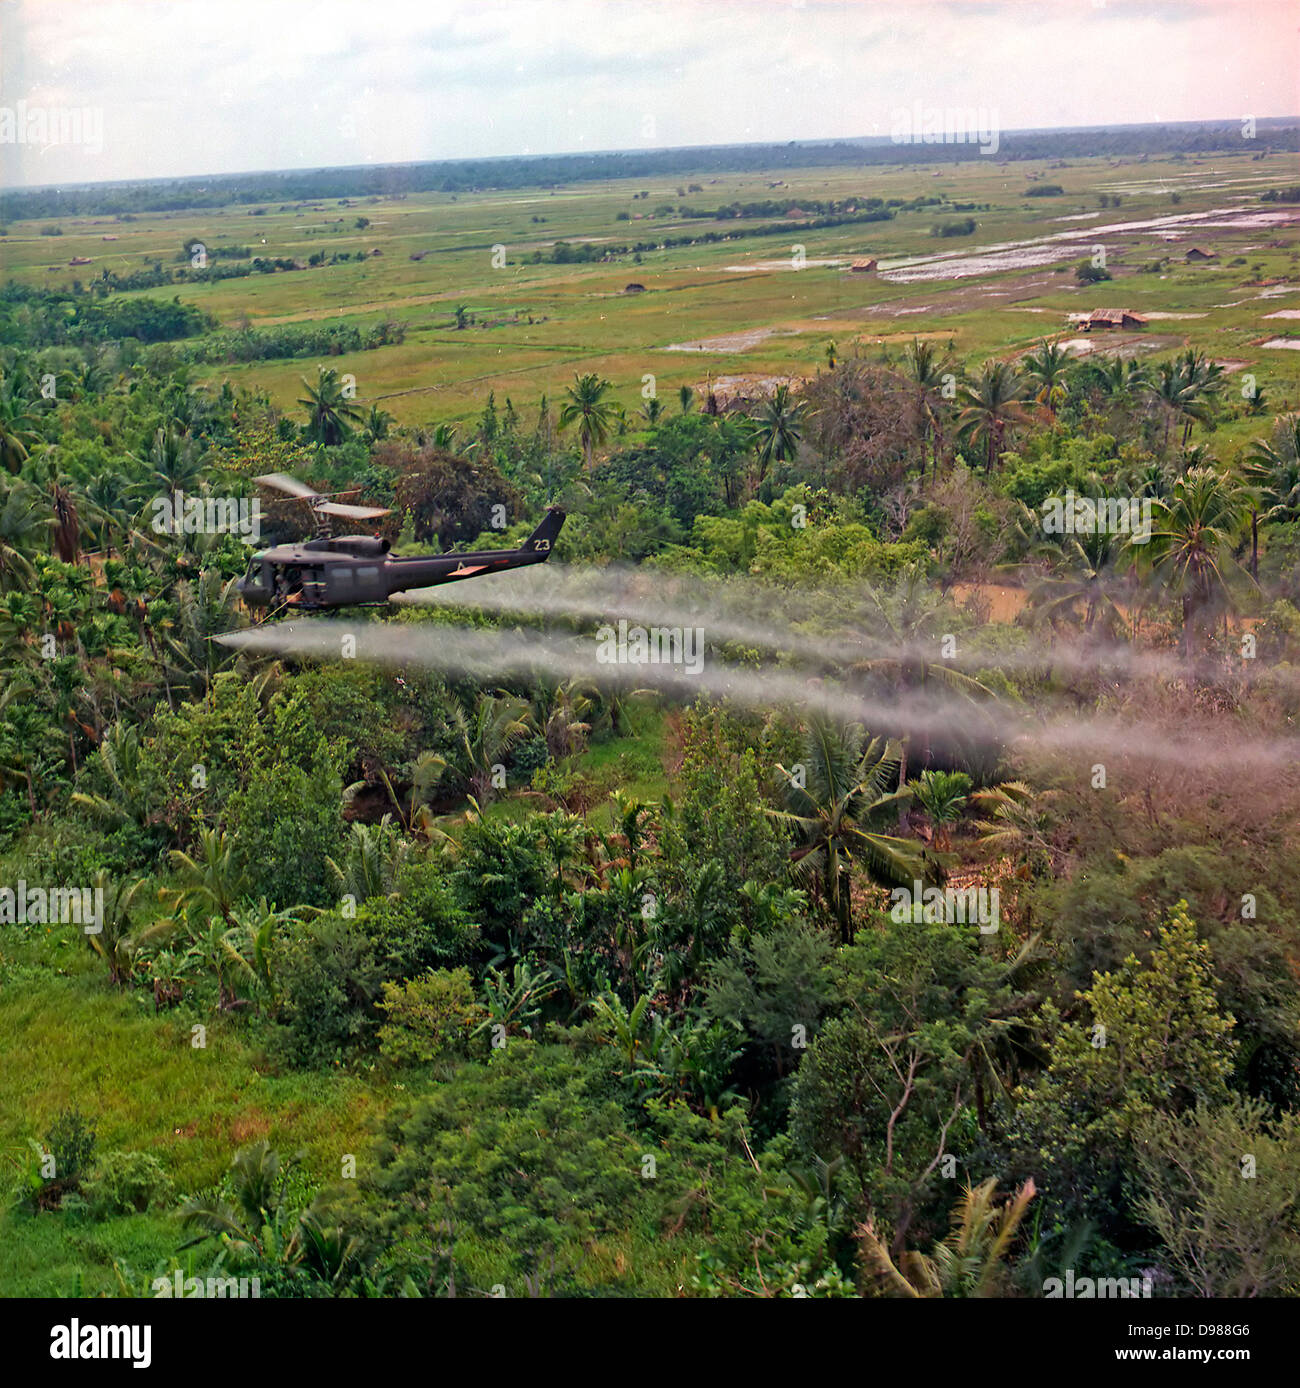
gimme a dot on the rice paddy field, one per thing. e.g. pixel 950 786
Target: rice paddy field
pixel 743 311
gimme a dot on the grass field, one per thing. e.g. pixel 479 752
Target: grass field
pixel 743 301
pixel 147 1086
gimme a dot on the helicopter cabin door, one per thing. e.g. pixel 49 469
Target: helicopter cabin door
pixel 313 588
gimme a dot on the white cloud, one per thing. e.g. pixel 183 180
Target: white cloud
pixel 188 86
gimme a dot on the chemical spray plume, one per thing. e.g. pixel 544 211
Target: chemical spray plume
pixel 825 625
pixel 494 655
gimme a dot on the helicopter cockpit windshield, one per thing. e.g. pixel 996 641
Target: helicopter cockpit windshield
pixel 257 584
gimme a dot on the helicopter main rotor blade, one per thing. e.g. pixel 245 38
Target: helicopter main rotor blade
pixel 284 483
pixel 336 508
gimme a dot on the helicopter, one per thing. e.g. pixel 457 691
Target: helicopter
pixel 357 570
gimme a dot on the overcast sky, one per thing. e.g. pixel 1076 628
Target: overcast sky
pixel 217 86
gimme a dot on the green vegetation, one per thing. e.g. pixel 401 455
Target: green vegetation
pixel 435 976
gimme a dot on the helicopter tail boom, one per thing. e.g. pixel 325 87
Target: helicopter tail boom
pixel 541 540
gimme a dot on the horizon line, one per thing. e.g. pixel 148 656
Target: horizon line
pixel 1283 122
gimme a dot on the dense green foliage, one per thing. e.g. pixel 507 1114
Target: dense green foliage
pixel 576 984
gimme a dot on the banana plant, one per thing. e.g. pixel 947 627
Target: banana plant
pixel 253 938
pixel 514 1003
pixel 629 1029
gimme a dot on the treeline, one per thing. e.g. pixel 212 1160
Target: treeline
pixel 192 243
pixel 783 207
pixel 876 214
pixel 567 253
pixel 110 282
pixel 288 340
pixel 469 175
pixel 51 318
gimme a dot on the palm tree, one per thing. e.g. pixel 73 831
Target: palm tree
pixel 909 619
pixel 121 764
pixel 1046 369
pixel 109 493
pixel 1081 570
pixel 375 856
pixel 1181 390
pixel 1272 469
pixel 482 736
pixel 830 797
pixel 968 1263
pixel 26 738
pixel 258 1186
pixel 993 408
pixel 1016 821
pixel 560 710
pixel 926 370
pixel 94 375
pixel 378 423
pixel 686 398
pixel 1193 535
pixel 215 945
pixel 65 527
pixel 174 463
pixel 563 837
pixel 210 880
pixel 778 427
pixel 206 607
pixel 1082 578
pixel 330 411
pixel 595 416
pixel 20 519
pixel 628 813
pixel 17 437
pixel 942 795
pixel 115 943
pixel 253 939
pixel 257 1225
pixel 1117 377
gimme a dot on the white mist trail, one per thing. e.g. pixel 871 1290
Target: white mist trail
pixel 490 655
pixel 765 617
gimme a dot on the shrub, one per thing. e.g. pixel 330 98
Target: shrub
pixel 1088 273
pixel 127 1183
pixel 964 226
pixel 423 927
pixel 284 825
pixel 330 980
pixel 428 1017
pixel 72 1145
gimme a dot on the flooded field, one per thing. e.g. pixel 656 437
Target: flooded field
pixel 1065 245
